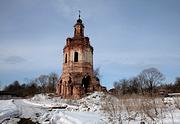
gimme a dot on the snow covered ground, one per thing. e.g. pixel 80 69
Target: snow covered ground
pixel 7 109
pixel 51 110
pixel 88 110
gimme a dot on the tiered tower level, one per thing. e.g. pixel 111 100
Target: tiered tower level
pixel 77 76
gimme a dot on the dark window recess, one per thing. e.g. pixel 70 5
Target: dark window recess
pixel 75 56
pixel 85 83
pixel 60 86
pixel 66 58
pixel 81 31
pixel 75 32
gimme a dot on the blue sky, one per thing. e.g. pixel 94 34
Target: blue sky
pixel 127 35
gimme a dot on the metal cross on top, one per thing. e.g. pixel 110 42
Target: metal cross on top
pixel 79 14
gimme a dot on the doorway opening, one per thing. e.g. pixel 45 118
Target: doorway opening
pixel 85 83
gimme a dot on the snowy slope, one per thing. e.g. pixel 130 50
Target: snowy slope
pixel 8 109
pixel 83 111
pixel 65 117
pixel 88 110
pixel 40 108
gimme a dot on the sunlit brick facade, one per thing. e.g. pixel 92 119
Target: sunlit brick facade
pixel 77 76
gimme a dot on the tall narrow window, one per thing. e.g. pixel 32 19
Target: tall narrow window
pixel 75 56
pixel 81 31
pixel 66 58
pixel 75 32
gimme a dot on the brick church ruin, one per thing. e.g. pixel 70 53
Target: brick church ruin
pixel 77 76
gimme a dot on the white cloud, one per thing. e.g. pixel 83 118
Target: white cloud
pixel 14 59
pixel 30 56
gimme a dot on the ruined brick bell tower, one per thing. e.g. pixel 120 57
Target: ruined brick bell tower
pixel 77 76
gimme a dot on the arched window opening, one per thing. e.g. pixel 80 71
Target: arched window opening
pixel 70 86
pixel 75 32
pixel 75 56
pixel 60 85
pixel 85 83
pixel 81 31
pixel 69 81
pixel 66 58
pixel 71 90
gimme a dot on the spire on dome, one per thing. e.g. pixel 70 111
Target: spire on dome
pixel 79 14
pixel 79 27
pixel 79 19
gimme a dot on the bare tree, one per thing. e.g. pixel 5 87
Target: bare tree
pixel 134 85
pixel 141 83
pixel 97 73
pixel 122 86
pixel 42 80
pixel 53 78
pixel 117 89
pixel 151 78
pixel 177 84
